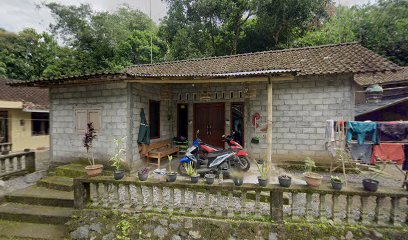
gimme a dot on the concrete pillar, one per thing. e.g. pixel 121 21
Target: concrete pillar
pixel 269 124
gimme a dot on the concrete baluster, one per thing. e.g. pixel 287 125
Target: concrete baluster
pixel 194 207
pixel 139 197
pixel 7 165
pixel 127 198
pixel 363 209
pixel 394 211
pixel 15 164
pixel 182 200
pixel 94 194
pixel 171 200
pixel 257 200
pixel 230 207
pixel 322 207
pixel 115 201
pixel 218 210
pixel 23 162
pixel 293 210
pixel 207 203
pixel 160 198
pixel 335 201
pixel 106 195
pixel 308 207
pixel 377 210
pixel 243 203
pixel 349 209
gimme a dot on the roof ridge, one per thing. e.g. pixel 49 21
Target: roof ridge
pixel 244 54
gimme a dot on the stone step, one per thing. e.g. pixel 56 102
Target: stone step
pixel 42 196
pixel 22 230
pixel 72 170
pixel 34 213
pixel 60 183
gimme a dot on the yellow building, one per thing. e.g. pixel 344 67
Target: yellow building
pixel 24 117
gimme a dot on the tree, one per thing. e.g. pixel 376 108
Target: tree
pixel 381 27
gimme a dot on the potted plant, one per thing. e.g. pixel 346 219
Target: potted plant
pixel 92 169
pixel 209 178
pixel 171 176
pixel 284 180
pixel 336 182
pixel 192 172
pixel 143 173
pixel 255 140
pixel 312 179
pixel 237 177
pixel 370 184
pixel 263 168
pixel 118 158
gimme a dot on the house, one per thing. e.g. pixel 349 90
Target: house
pixel 393 102
pixel 24 117
pixel 282 97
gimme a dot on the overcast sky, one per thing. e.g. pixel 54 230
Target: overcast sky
pixel 18 14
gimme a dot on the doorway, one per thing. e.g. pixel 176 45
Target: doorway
pixel 209 118
pixel 237 122
pixel 182 120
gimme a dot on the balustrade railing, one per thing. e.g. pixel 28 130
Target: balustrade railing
pixel 298 202
pixel 16 163
pixel 5 147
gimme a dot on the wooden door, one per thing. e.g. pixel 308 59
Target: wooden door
pixel 209 118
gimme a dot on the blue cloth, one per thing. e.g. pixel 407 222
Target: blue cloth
pixel 362 130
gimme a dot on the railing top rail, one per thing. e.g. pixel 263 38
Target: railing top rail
pixel 351 190
pixel 16 154
pixel 5 144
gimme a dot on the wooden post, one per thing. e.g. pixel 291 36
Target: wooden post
pixel 269 129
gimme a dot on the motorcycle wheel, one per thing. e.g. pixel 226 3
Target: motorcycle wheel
pixel 243 163
pixel 181 169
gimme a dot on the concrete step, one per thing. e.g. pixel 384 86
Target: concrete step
pixel 72 170
pixel 60 183
pixel 21 230
pixel 34 213
pixel 42 196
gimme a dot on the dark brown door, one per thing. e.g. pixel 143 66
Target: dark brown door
pixel 209 118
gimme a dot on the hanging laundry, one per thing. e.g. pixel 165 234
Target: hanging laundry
pixel 329 137
pixel 388 152
pixel 362 130
pixel 361 152
pixel 392 132
pixel 405 164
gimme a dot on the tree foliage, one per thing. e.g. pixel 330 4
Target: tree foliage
pixel 82 40
pixel 382 27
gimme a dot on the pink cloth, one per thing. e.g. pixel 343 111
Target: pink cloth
pixel 388 152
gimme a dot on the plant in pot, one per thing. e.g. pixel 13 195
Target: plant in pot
pixel 336 182
pixel 192 172
pixel 209 178
pixel 312 179
pixel 118 158
pixel 285 180
pixel 263 168
pixel 92 169
pixel 171 176
pixel 255 140
pixel 143 173
pixel 237 177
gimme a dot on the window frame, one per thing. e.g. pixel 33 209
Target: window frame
pixel 150 119
pixel 87 112
pixel 40 120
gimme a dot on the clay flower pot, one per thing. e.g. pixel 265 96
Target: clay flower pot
pixel 118 174
pixel 313 179
pixel 370 185
pixel 94 170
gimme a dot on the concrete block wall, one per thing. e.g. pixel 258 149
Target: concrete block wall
pixel 66 144
pixel 300 110
pixel 140 96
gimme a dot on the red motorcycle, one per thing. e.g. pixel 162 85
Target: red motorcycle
pixel 242 157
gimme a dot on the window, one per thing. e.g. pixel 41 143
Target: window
pixel 40 123
pixel 84 116
pixel 154 118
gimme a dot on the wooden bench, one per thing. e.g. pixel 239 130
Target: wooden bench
pixel 158 150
